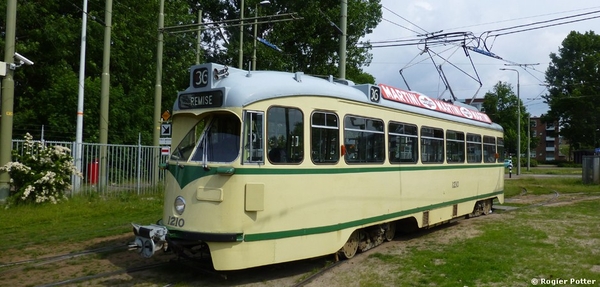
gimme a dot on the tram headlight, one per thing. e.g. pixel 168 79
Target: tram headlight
pixel 179 205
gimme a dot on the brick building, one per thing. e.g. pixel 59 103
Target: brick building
pixel 549 140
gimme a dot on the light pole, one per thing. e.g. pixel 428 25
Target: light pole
pixel 265 2
pixel 518 122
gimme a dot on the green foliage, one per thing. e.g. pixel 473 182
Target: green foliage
pixel 574 93
pixel 40 174
pixel 568 164
pixel 49 33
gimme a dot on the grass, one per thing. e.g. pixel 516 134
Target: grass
pixel 549 242
pixel 545 185
pixel 552 170
pixel 79 219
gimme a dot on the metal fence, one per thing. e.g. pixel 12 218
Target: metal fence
pixel 129 168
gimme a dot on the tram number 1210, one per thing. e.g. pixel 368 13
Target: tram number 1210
pixel 455 184
pixel 174 221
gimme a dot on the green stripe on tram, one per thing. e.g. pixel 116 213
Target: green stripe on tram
pixel 186 175
pixel 355 223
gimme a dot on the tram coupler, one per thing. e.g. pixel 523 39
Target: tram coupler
pixel 148 238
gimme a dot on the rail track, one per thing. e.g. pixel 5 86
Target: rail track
pixel 56 258
pixel 106 274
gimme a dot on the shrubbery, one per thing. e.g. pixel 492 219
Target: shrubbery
pixel 40 174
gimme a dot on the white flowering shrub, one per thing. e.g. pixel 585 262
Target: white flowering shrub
pixel 40 174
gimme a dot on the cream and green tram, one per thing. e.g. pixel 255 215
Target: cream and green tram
pixel 269 167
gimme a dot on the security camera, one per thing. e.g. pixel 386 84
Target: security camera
pixel 22 59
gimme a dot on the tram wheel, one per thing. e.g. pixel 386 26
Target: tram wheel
pixel 351 247
pixel 390 231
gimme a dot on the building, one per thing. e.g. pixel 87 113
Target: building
pixel 548 148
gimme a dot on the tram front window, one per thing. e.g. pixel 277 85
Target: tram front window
pixel 220 141
pixel 216 139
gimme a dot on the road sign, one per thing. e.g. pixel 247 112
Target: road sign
pixel 165 150
pixel 164 141
pixel 165 129
pixel 166 115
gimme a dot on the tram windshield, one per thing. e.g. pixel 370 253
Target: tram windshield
pixel 213 139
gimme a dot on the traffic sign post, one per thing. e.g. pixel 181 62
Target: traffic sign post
pixel 165 129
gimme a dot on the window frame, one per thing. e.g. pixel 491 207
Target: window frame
pixel 432 139
pixel 364 141
pixel 336 144
pixel 414 145
pixel 457 141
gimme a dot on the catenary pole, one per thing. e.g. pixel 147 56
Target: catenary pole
pixel 104 95
pixel 8 99
pixel 343 24
pixel 158 85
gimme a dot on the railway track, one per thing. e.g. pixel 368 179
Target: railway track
pixel 107 274
pixel 61 257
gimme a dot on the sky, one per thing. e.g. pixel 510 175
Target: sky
pixel 406 20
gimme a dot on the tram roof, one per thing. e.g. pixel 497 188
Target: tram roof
pixel 246 87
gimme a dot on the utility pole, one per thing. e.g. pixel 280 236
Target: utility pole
pixel 104 95
pixel 241 52
pixel 8 99
pixel 158 85
pixel 199 43
pixel 343 24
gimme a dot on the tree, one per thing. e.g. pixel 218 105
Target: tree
pixel 501 106
pixel 309 44
pixel 573 79
pixel 49 32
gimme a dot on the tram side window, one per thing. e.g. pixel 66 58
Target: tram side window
pixel 253 137
pixel 500 149
pixel 325 138
pixel 455 147
pixel 364 140
pixel 473 148
pixel 432 145
pixel 489 149
pixel 403 143
pixel 285 135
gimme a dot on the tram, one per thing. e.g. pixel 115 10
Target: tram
pixel 270 167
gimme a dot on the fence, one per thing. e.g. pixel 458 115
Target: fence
pixel 129 168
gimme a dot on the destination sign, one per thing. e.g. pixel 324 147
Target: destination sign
pixel 415 99
pixel 201 100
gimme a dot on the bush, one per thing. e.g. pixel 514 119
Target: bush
pixel 40 174
pixel 568 164
pixel 532 162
